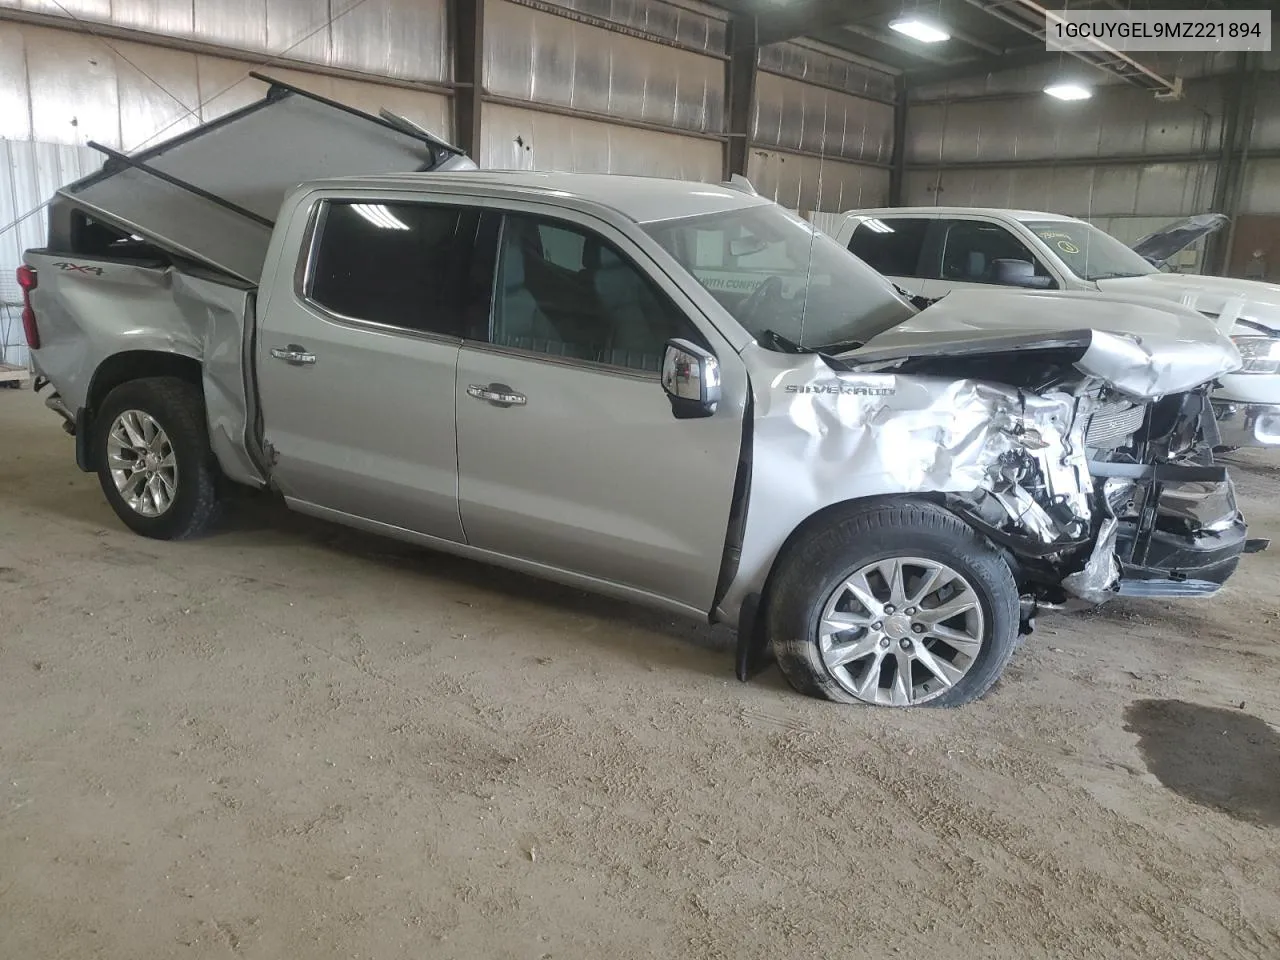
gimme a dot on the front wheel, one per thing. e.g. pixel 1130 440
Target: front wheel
pixel 894 604
pixel 151 446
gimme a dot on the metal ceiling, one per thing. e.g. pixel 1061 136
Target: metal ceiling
pixel 986 35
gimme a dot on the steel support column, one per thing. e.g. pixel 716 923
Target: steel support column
pixel 740 95
pixel 897 172
pixel 466 22
pixel 1237 137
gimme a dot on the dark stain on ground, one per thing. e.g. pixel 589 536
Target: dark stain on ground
pixel 1221 758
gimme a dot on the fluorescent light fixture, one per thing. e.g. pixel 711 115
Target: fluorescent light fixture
pixel 379 216
pixel 1068 91
pixel 918 29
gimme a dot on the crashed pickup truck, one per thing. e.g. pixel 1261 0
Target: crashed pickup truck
pixel 673 393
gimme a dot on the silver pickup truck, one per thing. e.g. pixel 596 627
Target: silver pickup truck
pixel 674 393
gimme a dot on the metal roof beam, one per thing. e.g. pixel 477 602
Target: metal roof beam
pixel 1029 17
pixel 787 24
pixel 1013 60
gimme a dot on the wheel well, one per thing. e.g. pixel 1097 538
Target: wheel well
pixel 135 365
pixel 752 639
pixel 827 513
pixel 121 368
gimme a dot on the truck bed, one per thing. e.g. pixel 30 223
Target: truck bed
pixel 94 311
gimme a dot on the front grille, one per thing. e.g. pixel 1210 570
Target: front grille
pixel 1112 424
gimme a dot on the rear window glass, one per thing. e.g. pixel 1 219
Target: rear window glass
pixel 398 264
pixel 892 246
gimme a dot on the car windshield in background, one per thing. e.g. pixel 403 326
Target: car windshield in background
pixel 779 275
pixel 1088 252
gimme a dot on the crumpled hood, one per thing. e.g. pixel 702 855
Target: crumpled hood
pixel 1141 346
pixel 1226 297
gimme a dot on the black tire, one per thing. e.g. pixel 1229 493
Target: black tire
pixel 178 407
pixel 812 567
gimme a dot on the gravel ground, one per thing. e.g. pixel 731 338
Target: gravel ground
pixel 289 740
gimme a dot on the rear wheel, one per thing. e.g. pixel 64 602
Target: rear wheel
pixel 896 605
pixel 155 465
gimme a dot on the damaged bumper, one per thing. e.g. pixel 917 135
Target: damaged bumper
pixel 1182 533
pixel 1090 530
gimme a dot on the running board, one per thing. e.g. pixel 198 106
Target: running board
pixel 1167 588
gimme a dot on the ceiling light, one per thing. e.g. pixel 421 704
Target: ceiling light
pixel 1068 91
pixel 918 29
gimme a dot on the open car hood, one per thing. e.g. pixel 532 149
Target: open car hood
pixel 1140 346
pixel 1163 244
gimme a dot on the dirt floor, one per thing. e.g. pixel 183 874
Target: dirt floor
pixel 292 741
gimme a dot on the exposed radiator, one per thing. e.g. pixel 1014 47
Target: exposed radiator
pixel 1112 424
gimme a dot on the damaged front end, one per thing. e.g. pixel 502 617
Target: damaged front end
pixel 1099 477
pixel 1111 496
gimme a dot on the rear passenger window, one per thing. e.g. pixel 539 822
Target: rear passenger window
pixel 891 246
pixel 398 264
pixel 565 292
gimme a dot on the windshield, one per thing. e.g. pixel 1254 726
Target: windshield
pixel 1088 252
pixel 756 262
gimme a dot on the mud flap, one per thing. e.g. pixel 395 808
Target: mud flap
pixel 84 456
pixel 753 652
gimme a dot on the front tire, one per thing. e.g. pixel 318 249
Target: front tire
pixel 155 465
pixel 897 604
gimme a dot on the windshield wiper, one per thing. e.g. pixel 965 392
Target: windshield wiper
pixel 781 343
pixel 784 345
pixel 840 347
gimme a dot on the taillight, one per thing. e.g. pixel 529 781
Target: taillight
pixel 27 283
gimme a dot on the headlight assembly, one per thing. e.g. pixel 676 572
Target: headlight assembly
pixel 1259 354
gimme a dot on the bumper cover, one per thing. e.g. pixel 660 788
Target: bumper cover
pixel 1247 424
pixel 1187 535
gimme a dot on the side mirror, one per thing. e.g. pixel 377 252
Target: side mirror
pixel 1018 273
pixel 691 378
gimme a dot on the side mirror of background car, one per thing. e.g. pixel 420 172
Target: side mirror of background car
pixel 691 378
pixel 1018 273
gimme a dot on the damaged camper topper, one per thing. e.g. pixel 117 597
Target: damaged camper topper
pixel 669 392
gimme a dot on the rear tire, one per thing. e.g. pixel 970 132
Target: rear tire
pixel 903 646
pixel 154 462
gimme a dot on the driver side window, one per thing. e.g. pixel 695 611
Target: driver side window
pixel 566 292
pixel 970 247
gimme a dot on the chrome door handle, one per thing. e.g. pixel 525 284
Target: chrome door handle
pixel 498 394
pixel 293 354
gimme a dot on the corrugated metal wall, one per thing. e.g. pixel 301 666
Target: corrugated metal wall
pixel 545 67
pixel 1122 154
pixel 513 138
pixel 404 39
pixel 822 129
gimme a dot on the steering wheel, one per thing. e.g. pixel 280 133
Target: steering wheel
pixel 768 293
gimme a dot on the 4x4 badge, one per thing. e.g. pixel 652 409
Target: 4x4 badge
pixel 79 267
